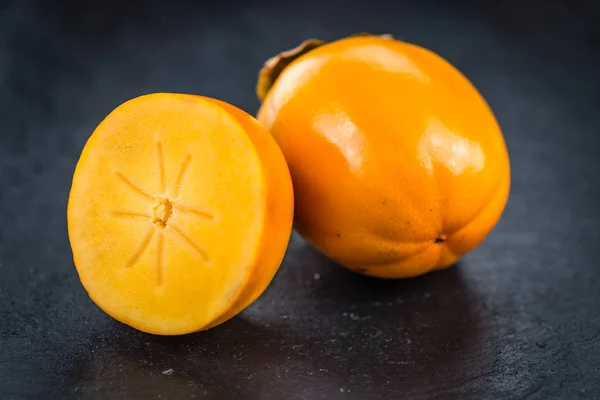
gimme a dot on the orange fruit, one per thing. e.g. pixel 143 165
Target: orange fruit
pixel 179 214
pixel 398 164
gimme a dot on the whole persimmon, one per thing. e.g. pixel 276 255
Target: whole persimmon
pixel 398 164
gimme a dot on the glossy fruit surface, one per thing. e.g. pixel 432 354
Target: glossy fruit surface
pixel 180 212
pixel 398 164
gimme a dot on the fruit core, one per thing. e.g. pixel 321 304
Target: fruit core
pixel 163 209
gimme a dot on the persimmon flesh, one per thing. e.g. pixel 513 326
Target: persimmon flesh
pixel 179 214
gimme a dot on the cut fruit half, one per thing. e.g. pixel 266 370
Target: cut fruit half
pixel 179 214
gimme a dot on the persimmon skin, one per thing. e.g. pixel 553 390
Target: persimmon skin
pixel 398 164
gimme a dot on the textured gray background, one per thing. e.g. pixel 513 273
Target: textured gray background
pixel 518 318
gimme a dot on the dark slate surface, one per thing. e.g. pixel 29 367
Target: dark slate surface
pixel 518 318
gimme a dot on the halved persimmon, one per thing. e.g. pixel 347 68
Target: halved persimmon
pixel 180 212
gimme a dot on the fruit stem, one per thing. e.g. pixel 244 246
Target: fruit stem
pixel 274 66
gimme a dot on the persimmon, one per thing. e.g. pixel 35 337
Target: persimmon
pixel 179 213
pixel 398 163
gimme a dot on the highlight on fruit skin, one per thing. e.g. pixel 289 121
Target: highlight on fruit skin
pixel 179 214
pixel 398 164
